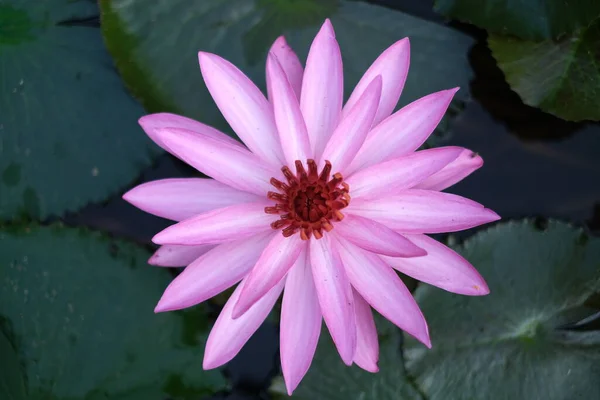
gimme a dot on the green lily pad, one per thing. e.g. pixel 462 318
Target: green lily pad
pixel 155 45
pixel 80 307
pixel 11 377
pixel 68 129
pixel 513 343
pixel 329 379
pixel 526 19
pixel 560 77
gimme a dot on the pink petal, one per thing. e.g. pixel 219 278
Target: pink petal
pixel 442 267
pixel 232 165
pixel 217 270
pixel 322 88
pixel 178 256
pixel 424 211
pixel 243 105
pixel 383 290
pixel 335 296
pixel 376 238
pixel 456 171
pixel 367 342
pixel 179 199
pixel 229 335
pixel 352 130
pixel 274 263
pixel 288 117
pixel 290 63
pixel 300 323
pixel 150 123
pixel 404 131
pixel 392 65
pixel 393 176
pixel 217 226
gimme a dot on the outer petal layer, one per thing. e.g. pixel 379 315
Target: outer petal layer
pixel 367 343
pixel 350 134
pixel 383 290
pixel 215 271
pixel 290 63
pixel 243 105
pixel 424 211
pixel 152 122
pixel 322 88
pixel 300 322
pixel 442 267
pixel 179 199
pixel 232 165
pixel 274 263
pixel 288 117
pixel 218 226
pixel 404 131
pixel 178 256
pixel 392 65
pixel 376 238
pixel 335 296
pixel 393 176
pixel 456 171
pixel 229 335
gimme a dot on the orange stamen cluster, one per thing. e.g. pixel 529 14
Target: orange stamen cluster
pixel 309 202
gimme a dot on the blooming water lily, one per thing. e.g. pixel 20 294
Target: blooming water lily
pixel 322 202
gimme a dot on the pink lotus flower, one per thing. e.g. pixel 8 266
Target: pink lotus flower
pixel 323 203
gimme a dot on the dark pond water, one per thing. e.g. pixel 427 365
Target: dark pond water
pixel 535 165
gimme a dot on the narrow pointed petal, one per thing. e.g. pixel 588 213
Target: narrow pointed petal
pixel 178 256
pixel 404 131
pixel 367 343
pixel 442 267
pixel 424 211
pixel 212 273
pixel 383 289
pixel 275 261
pixel 290 63
pixel 300 322
pixel 352 130
pixel 179 199
pixel 335 296
pixel 467 163
pixel 392 65
pixel 393 176
pixel 218 226
pixel 243 105
pixel 229 335
pixel 288 117
pixel 376 238
pixel 150 123
pixel 322 88
pixel 232 165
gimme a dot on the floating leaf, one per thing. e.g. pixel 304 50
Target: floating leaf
pixel 155 45
pixel 80 308
pixel 560 77
pixel 526 19
pixel 68 129
pixel 11 377
pixel 514 342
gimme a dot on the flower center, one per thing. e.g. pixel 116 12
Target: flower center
pixel 309 202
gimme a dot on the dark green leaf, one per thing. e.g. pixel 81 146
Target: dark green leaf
pixel 80 308
pixel 155 45
pixel 11 376
pixel 329 379
pixel 526 19
pixel 560 77
pixel 68 129
pixel 511 344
